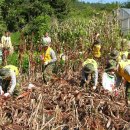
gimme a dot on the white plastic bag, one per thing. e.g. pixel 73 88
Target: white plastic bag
pixel 30 86
pixel 108 82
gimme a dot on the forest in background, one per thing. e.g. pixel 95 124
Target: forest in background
pixel 38 15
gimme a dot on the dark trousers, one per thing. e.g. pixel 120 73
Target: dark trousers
pixel 127 91
pixel 5 84
pixel 89 78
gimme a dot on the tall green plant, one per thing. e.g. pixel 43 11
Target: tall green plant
pixel 2 23
pixel 39 26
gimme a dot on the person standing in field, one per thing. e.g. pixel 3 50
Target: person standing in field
pixel 90 68
pixel 96 47
pixel 1 47
pixel 3 40
pixel 46 38
pixel 6 42
pixel 48 59
pixel 6 48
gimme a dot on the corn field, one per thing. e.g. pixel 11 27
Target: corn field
pixel 62 104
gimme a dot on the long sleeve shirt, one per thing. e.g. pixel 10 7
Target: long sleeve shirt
pixel 6 72
pixel 53 57
pixel 13 82
pixel 6 41
pixel 48 55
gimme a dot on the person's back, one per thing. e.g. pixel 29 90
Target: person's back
pixel 13 68
pixel 8 78
pixel 89 67
pixel 96 49
pixel 48 58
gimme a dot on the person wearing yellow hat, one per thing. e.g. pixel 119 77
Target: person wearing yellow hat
pixel 8 76
pixel 89 67
pixel 48 58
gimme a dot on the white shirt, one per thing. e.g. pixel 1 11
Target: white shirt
pixel 6 41
pixel 13 82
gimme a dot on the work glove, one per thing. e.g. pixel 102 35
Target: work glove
pixel 46 63
pixel 30 86
pixel 1 91
pixel 6 94
pixel 41 57
pixel 94 87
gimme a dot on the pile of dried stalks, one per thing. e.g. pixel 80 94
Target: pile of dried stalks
pixel 62 105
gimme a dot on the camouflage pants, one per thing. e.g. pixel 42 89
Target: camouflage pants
pixel 47 72
pixel 88 77
pixel 5 84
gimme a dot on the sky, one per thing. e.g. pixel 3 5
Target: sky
pixel 104 1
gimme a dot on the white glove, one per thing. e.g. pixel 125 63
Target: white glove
pixel 94 87
pixel 30 86
pixel 46 63
pixel 6 94
pixel 1 91
pixel 41 57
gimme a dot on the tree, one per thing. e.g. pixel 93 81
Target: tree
pixel 126 5
pixel 2 23
pixel 61 7
pixel 18 13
